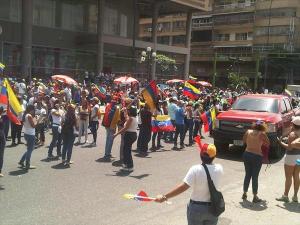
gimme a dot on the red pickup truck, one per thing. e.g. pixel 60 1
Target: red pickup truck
pixel 275 110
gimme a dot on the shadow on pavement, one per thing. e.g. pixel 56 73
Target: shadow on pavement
pixel 142 155
pixel 123 173
pixel 105 160
pixel 88 146
pixel 120 173
pixel 117 163
pixel 60 166
pixel 254 206
pixel 50 160
pixel 292 207
pixel 18 172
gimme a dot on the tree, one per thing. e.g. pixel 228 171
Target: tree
pixel 237 81
pixel 165 63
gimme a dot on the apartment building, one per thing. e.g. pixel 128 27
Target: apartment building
pixel 44 37
pixel 246 37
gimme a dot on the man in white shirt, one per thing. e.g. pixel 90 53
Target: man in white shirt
pixel 199 207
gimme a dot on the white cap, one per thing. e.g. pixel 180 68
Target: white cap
pixel 296 120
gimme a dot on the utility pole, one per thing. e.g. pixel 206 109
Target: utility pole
pixel 257 73
pixel 268 42
pixel 215 69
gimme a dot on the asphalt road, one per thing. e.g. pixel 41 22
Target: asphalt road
pixel 90 192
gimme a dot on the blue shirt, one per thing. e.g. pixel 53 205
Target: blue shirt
pixel 171 110
pixel 179 116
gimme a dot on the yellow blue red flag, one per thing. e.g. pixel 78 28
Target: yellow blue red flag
pixel 191 91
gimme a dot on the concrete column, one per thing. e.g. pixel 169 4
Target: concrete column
pixel 154 37
pixel 100 27
pixel 26 54
pixel 188 44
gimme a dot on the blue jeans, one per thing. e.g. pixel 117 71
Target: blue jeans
pixel 94 128
pixel 109 140
pixel 200 215
pixel 252 163
pixel 68 146
pixel 56 141
pixel 30 139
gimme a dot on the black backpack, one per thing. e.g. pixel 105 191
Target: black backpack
pixel 216 197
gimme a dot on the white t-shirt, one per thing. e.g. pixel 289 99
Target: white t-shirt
pixel 21 88
pixel 196 178
pixel 28 129
pixel 56 120
pixel 94 112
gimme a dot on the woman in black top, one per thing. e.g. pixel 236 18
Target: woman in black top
pixel 68 136
pixel 2 141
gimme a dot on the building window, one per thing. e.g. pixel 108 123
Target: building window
pixel 111 25
pixel 276 30
pixel 44 13
pixel 11 10
pixel 165 40
pixel 179 25
pixel 179 39
pixel 241 36
pixel 93 18
pixel 222 37
pixel 73 16
pixel 281 12
pixel 123 25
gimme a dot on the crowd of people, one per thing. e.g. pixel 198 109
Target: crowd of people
pixel 71 111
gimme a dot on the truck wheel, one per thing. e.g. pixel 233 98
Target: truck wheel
pixel 221 146
pixel 276 151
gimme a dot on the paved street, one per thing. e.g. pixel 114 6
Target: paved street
pixel 90 192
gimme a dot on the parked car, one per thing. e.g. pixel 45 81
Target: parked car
pixel 275 110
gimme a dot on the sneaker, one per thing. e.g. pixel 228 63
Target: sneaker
pixel 175 148
pixel 244 196
pixel 51 156
pixel 30 167
pixel 295 199
pixel 1 175
pixel 283 198
pixel 21 164
pixel 181 146
pixel 256 199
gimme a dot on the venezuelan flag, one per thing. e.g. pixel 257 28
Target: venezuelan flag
pixel 2 66
pixel 111 116
pixel 162 123
pixel 3 95
pixel 150 94
pixel 13 105
pixel 191 91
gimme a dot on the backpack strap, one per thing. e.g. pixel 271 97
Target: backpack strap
pixel 206 171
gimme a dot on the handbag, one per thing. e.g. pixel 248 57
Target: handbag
pixel 216 197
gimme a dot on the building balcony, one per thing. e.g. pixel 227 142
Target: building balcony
pixel 282 21
pixel 234 7
pixel 276 39
pixel 202 26
pixel 263 4
pixel 232 43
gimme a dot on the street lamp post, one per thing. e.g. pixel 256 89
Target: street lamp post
pixel 149 56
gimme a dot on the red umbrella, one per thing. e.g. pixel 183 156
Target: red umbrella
pixel 125 80
pixel 65 79
pixel 204 84
pixel 174 81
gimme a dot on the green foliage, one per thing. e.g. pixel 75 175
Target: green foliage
pixel 237 81
pixel 166 63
